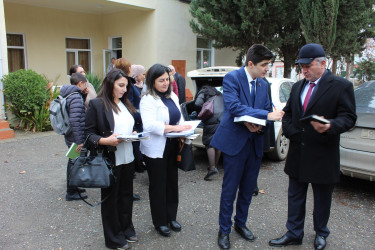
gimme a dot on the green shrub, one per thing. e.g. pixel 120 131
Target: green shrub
pixel 28 98
pixel 95 80
pixel 365 71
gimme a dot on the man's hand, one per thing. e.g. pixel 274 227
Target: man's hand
pixel 252 127
pixel 79 147
pixel 277 115
pixel 319 127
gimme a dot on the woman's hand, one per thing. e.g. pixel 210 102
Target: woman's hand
pixel 111 140
pixel 176 128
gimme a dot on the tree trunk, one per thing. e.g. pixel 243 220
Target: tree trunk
pixel 334 66
pixel 347 70
pixel 287 70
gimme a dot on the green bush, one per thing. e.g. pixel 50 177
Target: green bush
pixel 28 98
pixel 95 80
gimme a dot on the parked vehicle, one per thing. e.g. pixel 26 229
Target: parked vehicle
pixel 357 146
pixel 278 145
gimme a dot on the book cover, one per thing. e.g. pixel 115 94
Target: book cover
pixel 314 118
pixel 72 153
pixel 250 119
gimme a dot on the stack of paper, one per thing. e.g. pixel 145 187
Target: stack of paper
pixel 135 137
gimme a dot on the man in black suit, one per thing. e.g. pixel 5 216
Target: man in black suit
pixel 181 84
pixel 314 155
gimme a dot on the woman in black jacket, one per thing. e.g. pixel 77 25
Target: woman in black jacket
pixel 107 116
pixel 210 125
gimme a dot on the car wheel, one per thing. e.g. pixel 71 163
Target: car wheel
pixel 281 148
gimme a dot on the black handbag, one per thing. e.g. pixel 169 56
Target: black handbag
pixel 90 171
pixel 185 156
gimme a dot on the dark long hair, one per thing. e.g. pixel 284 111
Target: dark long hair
pixel 154 72
pixel 106 92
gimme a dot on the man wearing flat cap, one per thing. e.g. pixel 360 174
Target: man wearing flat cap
pixel 314 155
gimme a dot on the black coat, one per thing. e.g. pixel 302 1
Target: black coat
pixel 315 157
pixel 181 85
pixel 75 106
pixel 210 126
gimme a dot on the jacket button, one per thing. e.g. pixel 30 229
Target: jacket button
pixel 303 144
pixel 303 130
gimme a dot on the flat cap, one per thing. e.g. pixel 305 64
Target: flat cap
pixel 309 52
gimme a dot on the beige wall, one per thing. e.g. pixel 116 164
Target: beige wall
pixel 225 57
pixel 148 36
pixel 45 31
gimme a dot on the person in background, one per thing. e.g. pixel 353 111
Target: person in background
pixel 173 83
pixel 161 114
pixel 181 84
pixel 111 65
pixel 314 155
pixel 210 125
pixel 75 105
pixel 107 116
pixel 138 72
pixel 90 90
pixel 245 93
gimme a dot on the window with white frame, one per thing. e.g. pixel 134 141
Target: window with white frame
pixel 205 53
pixel 16 52
pixel 78 51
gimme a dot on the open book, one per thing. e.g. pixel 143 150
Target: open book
pixel 194 124
pixel 250 119
pixel 314 118
pixel 135 137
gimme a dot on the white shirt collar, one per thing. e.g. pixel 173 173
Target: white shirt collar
pixel 249 78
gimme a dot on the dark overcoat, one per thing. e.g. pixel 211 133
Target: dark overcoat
pixel 314 157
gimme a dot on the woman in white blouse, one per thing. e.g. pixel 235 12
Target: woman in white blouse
pixel 160 112
pixel 107 116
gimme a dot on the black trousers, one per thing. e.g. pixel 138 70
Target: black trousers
pixel 297 192
pixel 118 208
pixel 163 187
pixel 69 190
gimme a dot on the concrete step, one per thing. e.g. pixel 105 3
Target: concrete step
pixel 5 131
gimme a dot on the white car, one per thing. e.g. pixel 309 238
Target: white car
pixel 280 91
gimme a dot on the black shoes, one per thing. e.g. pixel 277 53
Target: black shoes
pixel 75 196
pixel 320 242
pixel 175 226
pixel 136 197
pixel 245 233
pixel 284 241
pixel 131 239
pixel 223 241
pixel 81 190
pixel 210 174
pixel 163 230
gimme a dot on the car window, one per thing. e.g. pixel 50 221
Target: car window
pixel 365 99
pixel 284 91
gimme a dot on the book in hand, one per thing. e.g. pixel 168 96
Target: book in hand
pixel 250 119
pixel 194 124
pixel 314 118
pixel 72 153
pixel 135 137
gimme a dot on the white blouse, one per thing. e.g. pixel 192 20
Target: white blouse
pixel 124 123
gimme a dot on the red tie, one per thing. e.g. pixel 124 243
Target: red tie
pixel 308 95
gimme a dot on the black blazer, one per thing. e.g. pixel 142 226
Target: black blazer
pixel 99 123
pixel 315 157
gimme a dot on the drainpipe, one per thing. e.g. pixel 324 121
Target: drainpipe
pixel 3 58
